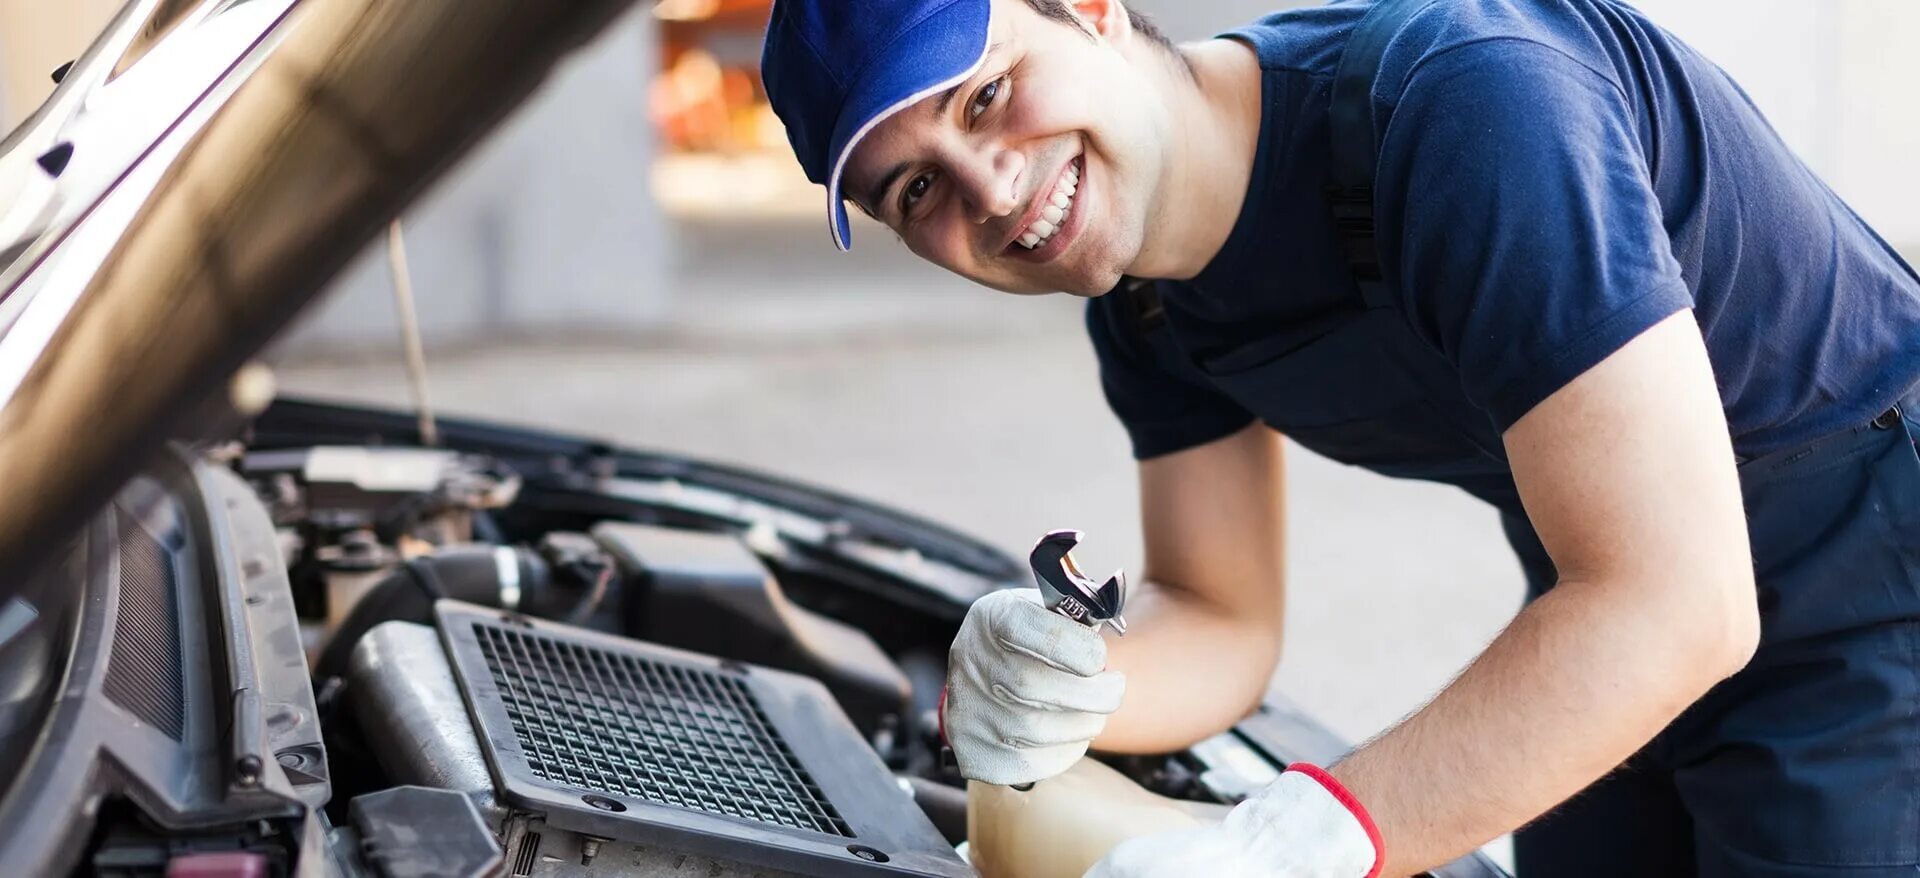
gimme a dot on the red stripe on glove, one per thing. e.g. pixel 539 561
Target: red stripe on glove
pixel 1353 806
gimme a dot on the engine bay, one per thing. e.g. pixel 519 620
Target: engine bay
pixel 390 551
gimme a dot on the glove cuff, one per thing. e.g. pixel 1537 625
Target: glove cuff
pixel 1347 800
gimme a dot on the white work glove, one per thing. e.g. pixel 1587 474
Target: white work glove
pixel 1027 690
pixel 1304 825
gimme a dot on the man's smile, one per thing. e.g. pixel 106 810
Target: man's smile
pixel 1053 217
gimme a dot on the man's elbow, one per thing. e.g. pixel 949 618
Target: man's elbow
pixel 1744 640
pixel 1732 635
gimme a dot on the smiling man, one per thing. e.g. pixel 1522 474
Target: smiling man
pixel 1537 249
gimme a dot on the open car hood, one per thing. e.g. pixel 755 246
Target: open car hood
pixel 201 172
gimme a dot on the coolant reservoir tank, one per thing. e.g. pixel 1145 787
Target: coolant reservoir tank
pixel 1065 824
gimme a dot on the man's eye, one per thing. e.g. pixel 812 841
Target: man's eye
pixel 915 188
pixel 984 98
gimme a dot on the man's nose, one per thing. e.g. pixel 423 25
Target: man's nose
pixel 991 184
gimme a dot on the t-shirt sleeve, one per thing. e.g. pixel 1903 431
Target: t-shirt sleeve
pixel 1164 407
pixel 1518 220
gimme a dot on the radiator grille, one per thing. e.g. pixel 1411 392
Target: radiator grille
pixel 143 669
pixel 605 721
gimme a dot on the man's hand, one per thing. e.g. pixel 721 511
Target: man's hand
pixel 1027 690
pixel 1304 825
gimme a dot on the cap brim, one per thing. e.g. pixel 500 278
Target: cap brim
pixel 939 52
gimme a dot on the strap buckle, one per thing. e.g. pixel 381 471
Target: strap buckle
pixel 1352 209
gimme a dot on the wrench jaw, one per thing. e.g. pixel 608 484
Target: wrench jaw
pixel 1114 594
pixel 1067 591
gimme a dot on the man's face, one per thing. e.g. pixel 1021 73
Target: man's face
pixel 1034 175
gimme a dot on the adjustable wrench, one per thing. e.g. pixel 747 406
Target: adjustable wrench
pixel 1067 591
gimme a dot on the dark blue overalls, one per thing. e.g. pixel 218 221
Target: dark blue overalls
pixel 1808 761
pixel 1810 757
pixel 1805 763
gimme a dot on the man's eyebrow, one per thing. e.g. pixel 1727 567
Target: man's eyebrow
pixel 878 192
pixel 946 97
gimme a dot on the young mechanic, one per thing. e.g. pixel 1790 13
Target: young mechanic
pixel 1611 303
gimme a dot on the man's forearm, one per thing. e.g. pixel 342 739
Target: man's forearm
pixel 1193 669
pixel 1580 681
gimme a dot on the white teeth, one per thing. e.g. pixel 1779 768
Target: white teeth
pixel 1054 213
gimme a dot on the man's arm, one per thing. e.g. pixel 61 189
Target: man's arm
pixel 1204 625
pixel 1029 691
pixel 1627 474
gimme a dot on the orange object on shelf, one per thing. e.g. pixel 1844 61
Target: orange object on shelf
pixel 707 96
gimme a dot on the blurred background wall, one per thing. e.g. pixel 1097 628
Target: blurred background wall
pixel 680 220
pixel 550 227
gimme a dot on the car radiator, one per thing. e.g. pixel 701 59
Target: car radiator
pixel 603 755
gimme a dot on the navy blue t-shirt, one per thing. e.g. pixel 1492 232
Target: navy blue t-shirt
pixel 1555 177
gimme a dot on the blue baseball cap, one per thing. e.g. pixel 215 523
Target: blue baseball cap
pixel 834 69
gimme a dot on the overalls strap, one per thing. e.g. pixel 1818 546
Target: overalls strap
pixel 1356 144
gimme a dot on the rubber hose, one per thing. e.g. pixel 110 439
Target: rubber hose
pixel 468 573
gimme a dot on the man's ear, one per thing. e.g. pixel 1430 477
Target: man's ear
pixel 1107 18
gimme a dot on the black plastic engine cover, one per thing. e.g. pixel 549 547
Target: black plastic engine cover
pixel 709 593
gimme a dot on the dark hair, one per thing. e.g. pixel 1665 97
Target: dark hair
pixel 1062 12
